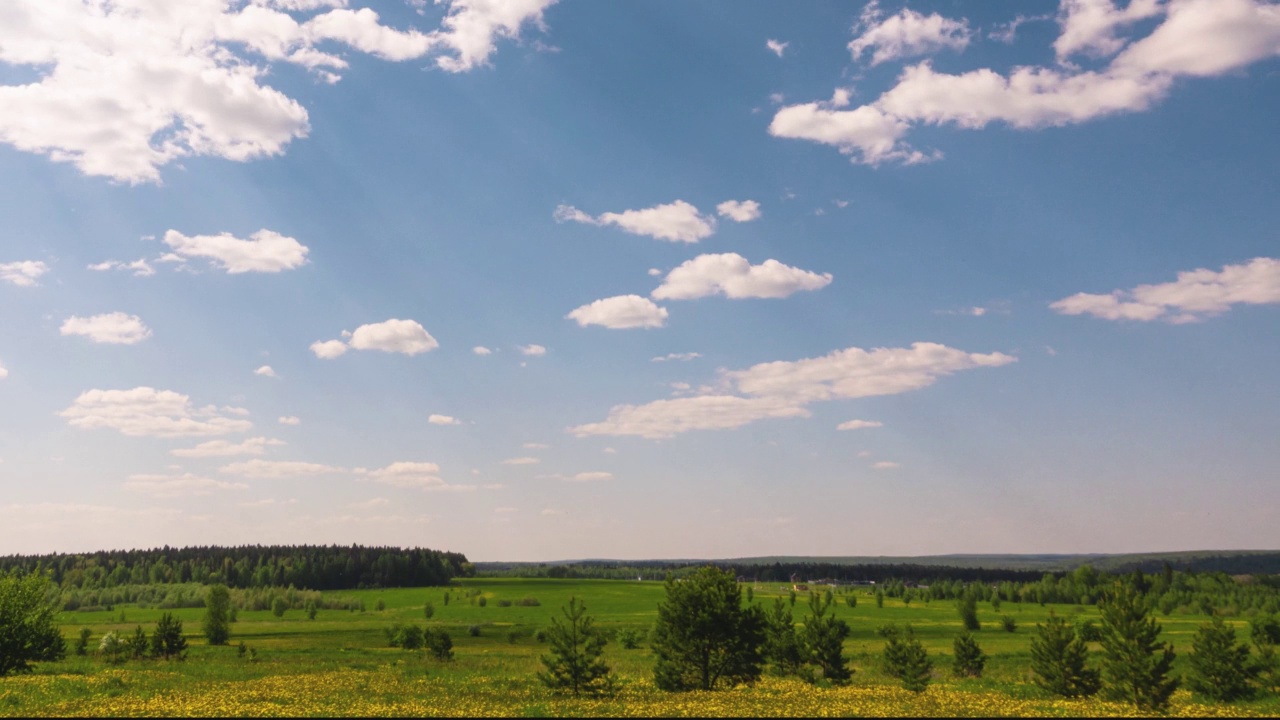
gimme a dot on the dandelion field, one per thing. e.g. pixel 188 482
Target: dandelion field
pixel 340 663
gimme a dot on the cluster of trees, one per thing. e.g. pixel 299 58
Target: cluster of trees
pixel 317 567
pixel 774 572
pixel 191 595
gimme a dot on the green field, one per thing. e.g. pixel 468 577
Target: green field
pixel 339 663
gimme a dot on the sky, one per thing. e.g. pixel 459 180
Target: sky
pixel 556 279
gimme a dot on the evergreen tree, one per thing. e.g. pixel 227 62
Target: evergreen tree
pixel 1221 669
pixel 781 645
pixel 167 640
pixel 967 606
pixel 279 605
pixel 1135 663
pixel 905 658
pixel 1058 660
pixel 1264 631
pixel 217 624
pixel 575 662
pixel 428 610
pixel 137 645
pixel 968 659
pixel 704 637
pixel 823 639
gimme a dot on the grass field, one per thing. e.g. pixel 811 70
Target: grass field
pixel 339 663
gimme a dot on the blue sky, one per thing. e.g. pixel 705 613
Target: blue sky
pixel 530 279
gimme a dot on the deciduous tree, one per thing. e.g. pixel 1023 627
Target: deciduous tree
pixel 28 632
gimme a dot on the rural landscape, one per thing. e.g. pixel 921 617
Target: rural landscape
pixel 597 639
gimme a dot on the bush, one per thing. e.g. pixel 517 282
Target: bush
pixel 482 601
pixel 540 635
pixel 278 606
pixel 473 630
pixel 439 644
pixel 312 609
pixel 82 642
pixel 1008 623
pixel 968 659
pixel 967 607
pixel 905 658
pixel 630 638
pixel 1088 631
pixel 382 605
pixel 112 648
pixel 528 601
pixel 28 630
pixel 411 638
pixel 504 603
pixel 851 600
pixel 1058 660
pixel 428 610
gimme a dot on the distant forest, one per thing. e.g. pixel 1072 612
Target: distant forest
pixel 776 572
pixel 316 567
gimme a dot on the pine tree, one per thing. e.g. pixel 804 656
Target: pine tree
pixel 167 640
pixel 1058 660
pixel 781 645
pixel 967 606
pixel 1221 668
pixel 575 663
pixel 704 637
pixel 969 659
pixel 1135 663
pixel 905 658
pixel 823 639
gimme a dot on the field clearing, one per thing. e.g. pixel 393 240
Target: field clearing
pixel 339 663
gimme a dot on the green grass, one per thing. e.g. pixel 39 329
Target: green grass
pixel 339 641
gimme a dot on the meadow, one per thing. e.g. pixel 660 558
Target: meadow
pixel 340 663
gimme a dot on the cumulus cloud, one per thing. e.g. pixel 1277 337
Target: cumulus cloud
pixel 289 420
pixel 178 485
pixel 277 469
pixel 23 273
pixel 124 88
pixel 443 420
pixel 620 312
pixel 265 371
pixel 265 251
pixel 783 389
pixel 677 221
pixel 406 337
pixel 909 34
pixel 775 47
pixel 521 461
pixel 419 475
pixel 147 412
pixel 535 446
pixel 114 328
pixel 859 425
pixel 1195 295
pixel 481 350
pixel 590 476
pixel 532 350
pixel 676 356
pixel 140 267
pixel 733 276
pixel 1197 38
pixel 739 211
pixel 1089 26
pixel 224 448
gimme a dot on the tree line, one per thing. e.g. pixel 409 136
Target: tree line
pixel 316 567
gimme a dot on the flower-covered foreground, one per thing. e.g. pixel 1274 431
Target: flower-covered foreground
pixel 391 691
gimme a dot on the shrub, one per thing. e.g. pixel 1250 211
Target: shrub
pixel 112 648
pixel 851 600
pixel 968 659
pixel 439 644
pixel 381 605
pixel 528 601
pixel 1088 631
pixel 905 658
pixel 473 630
pixel 482 601
pixel 630 638
pixel 1008 623
pixel 82 642
pixel 967 607
pixel 278 606
pixel 1058 660
pixel 411 638
pixel 137 644
pixel 428 610
pixel 504 603
pixel 540 635
pixel 311 609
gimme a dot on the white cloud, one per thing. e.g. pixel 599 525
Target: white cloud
pixel 886 465
pixel 521 461
pixel 910 34
pixel 620 312
pixel 1195 295
pixel 23 273
pixel 4 373
pixel 371 503
pixel 267 251
pixel 420 475
pixel 677 221
pixel 864 454
pixel 859 425
pixel 590 476
pixel 394 336
pixel 535 446
pixel 735 277
pixel 114 328
pixel 481 350
pixel 532 350
pixel 443 420
pixel 277 469
pixel 739 211
pixel 1088 26
pixel 676 356
pixel 328 349
pixel 653 272
pixel 265 371
pixel 178 485
pixel 782 389
pixel 1198 38
pixel 775 47
pixel 289 420
pixel 125 88
pixel 147 412
pixel 223 448
pixel 140 267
